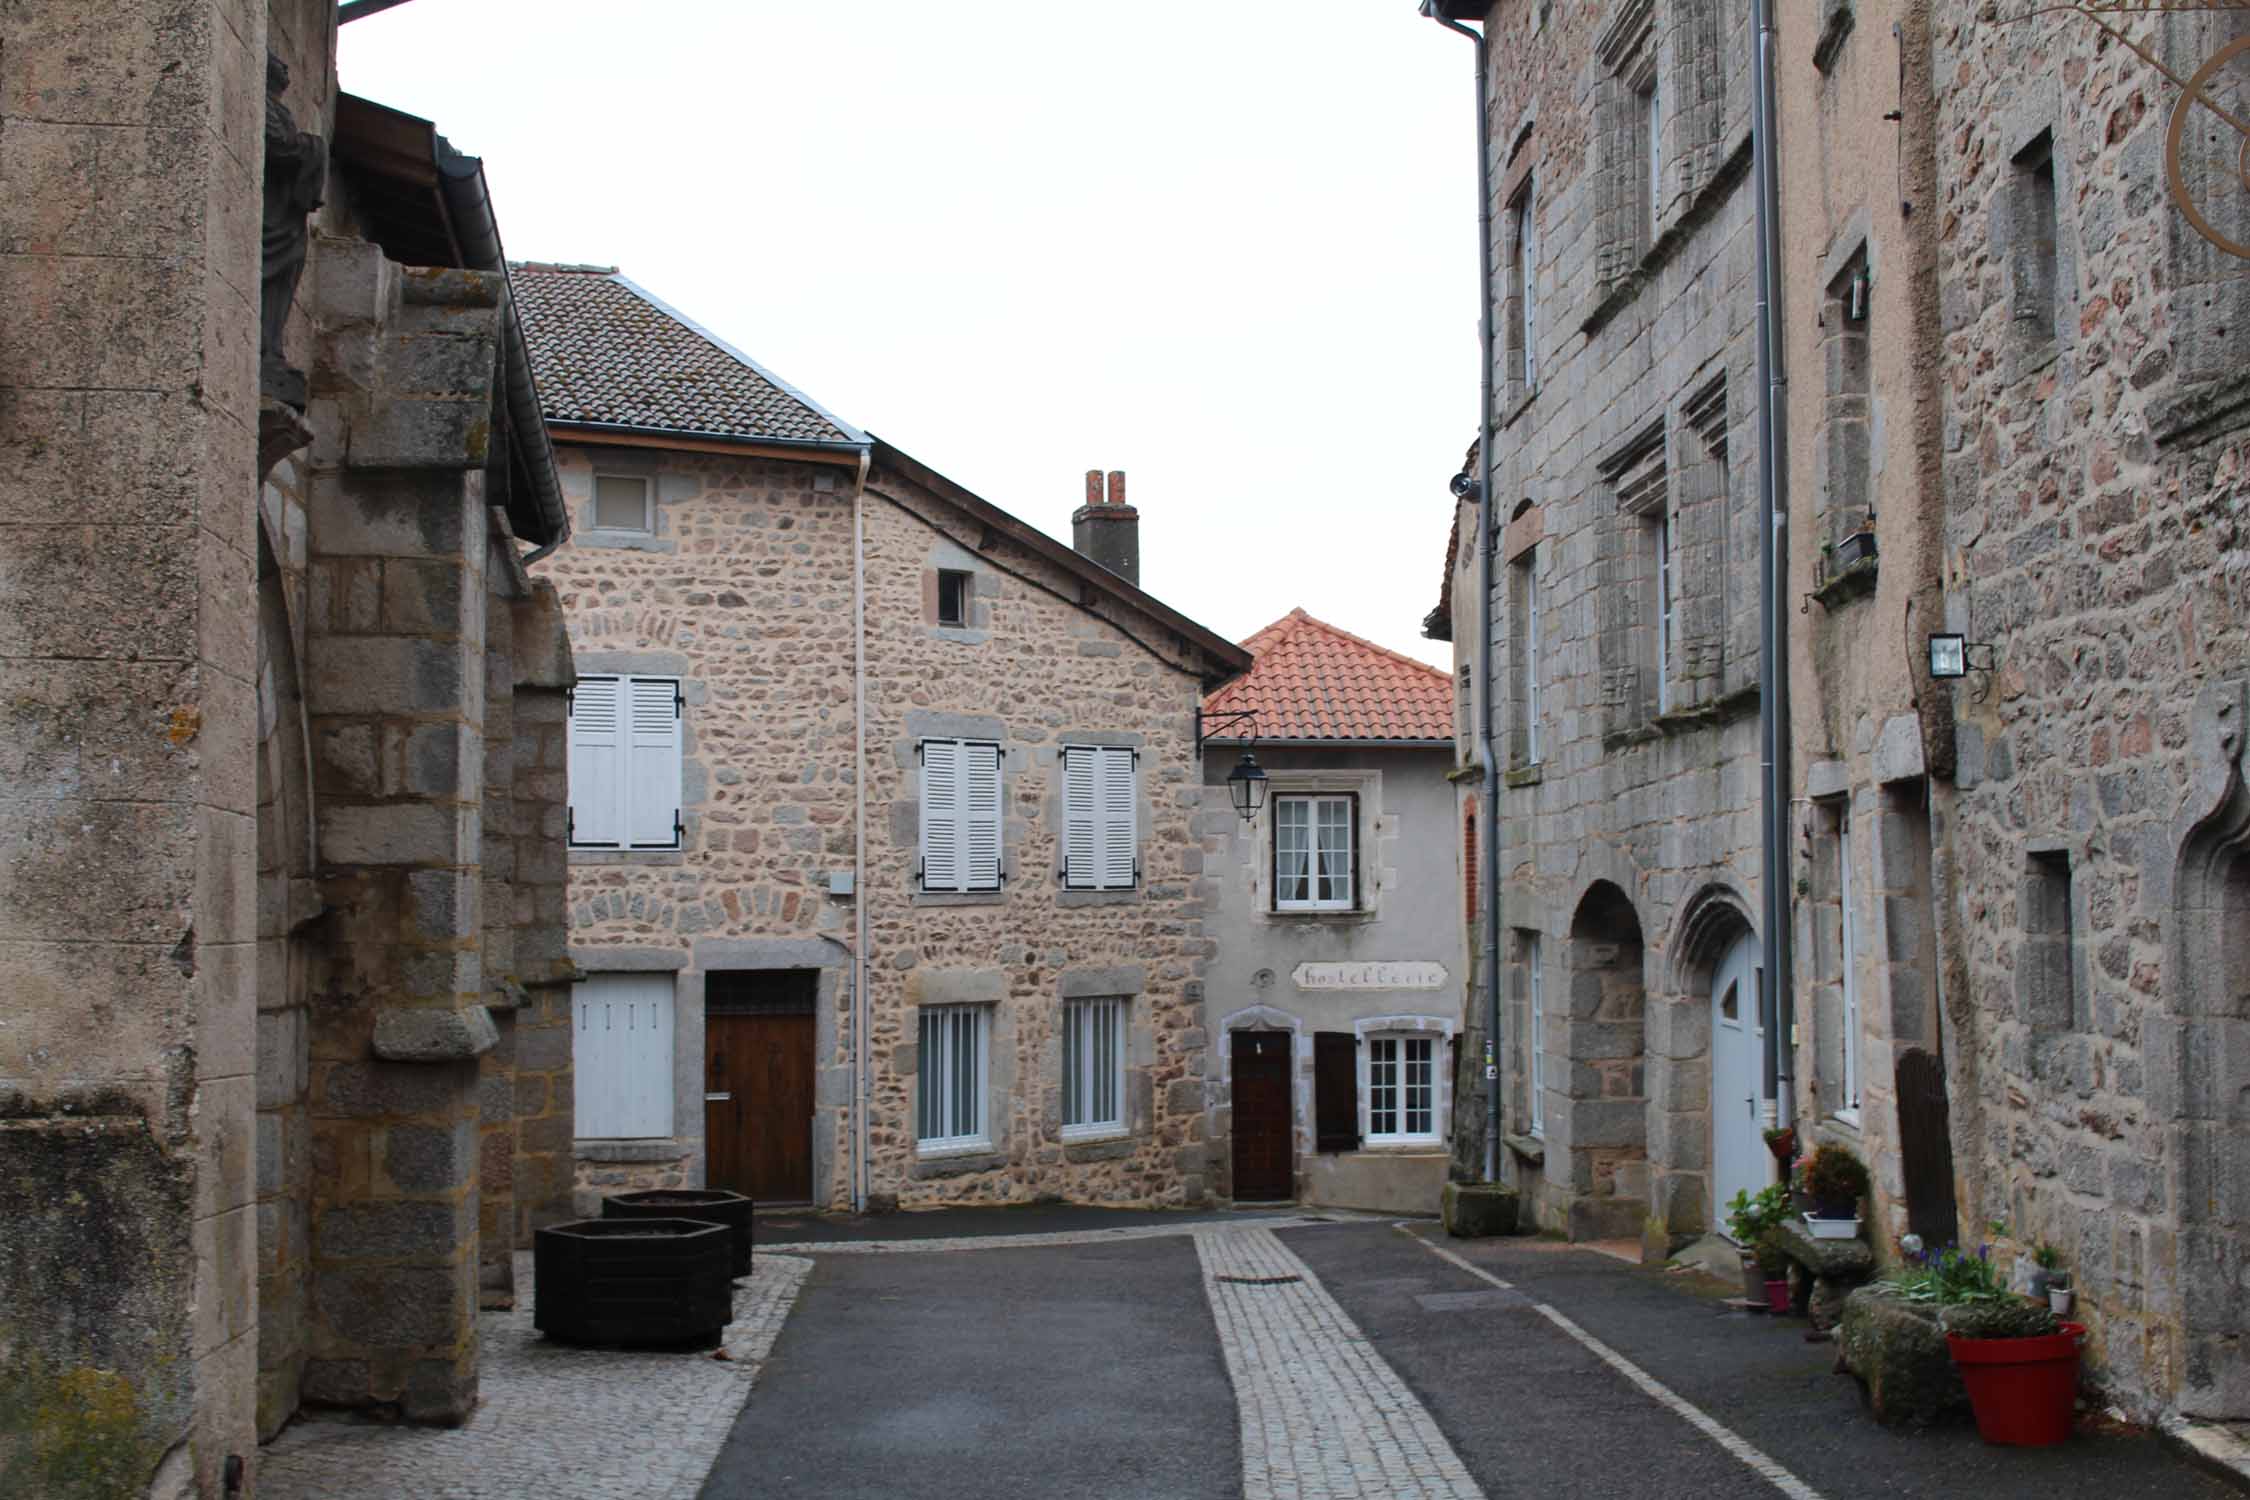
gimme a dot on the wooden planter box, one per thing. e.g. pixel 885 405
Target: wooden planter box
pixel 633 1281
pixel 711 1205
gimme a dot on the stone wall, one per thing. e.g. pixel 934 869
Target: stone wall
pixel 744 590
pixel 2096 433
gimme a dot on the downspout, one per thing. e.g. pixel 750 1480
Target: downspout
pixel 1488 541
pixel 1777 1001
pixel 862 1011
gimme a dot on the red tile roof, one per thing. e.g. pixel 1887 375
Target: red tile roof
pixel 1311 681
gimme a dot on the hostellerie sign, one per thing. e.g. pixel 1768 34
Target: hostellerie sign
pixel 1379 975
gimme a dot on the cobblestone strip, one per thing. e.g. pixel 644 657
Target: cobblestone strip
pixel 1073 1236
pixel 1322 1414
pixel 555 1422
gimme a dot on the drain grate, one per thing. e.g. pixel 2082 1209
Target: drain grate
pixel 1259 1280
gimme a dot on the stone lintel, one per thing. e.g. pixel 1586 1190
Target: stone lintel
pixel 1116 979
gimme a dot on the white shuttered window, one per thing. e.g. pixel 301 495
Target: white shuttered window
pixel 621 1056
pixel 625 763
pixel 1099 848
pixel 1093 1067
pixel 954 1041
pixel 960 815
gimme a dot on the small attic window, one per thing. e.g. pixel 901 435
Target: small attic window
pixel 952 597
pixel 621 503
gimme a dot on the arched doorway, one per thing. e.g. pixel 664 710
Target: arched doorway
pixel 1739 1161
pixel 1603 1071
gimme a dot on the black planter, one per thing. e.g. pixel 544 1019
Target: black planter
pixel 633 1281
pixel 1857 548
pixel 712 1205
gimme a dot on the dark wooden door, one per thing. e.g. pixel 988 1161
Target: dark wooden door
pixel 1925 1147
pixel 1264 1169
pixel 758 1104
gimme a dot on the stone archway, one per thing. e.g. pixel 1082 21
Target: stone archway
pixel 1709 928
pixel 2201 1083
pixel 1597 1133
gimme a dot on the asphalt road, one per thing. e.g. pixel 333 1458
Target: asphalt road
pixel 1081 1370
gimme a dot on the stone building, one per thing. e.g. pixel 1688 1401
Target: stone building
pixel 1335 987
pixel 1621 678
pixel 887 823
pixel 285 814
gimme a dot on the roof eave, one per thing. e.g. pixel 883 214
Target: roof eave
pixel 840 450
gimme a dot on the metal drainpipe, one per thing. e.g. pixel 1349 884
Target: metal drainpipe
pixel 862 1010
pixel 1487 543
pixel 1778 1002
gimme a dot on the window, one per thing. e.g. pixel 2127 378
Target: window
pixel 960 815
pixel 1093 1057
pixel 1401 1089
pixel 1335 1091
pixel 1524 663
pixel 1650 101
pixel 1313 852
pixel 1523 287
pixel 1644 491
pixel 621 1056
pixel 625 763
pixel 1099 849
pixel 1664 618
pixel 1849 1108
pixel 953 589
pixel 1535 1046
pixel 955 1042
pixel 621 503
pixel 1847 492
pixel 2032 256
pixel 2046 967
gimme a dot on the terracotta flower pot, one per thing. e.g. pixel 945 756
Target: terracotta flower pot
pixel 2021 1390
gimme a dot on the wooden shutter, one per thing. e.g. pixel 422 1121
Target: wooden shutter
pixel 1116 818
pixel 652 763
pixel 980 820
pixel 941 815
pixel 597 762
pixel 1335 1091
pixel 1081 829
pixel 621 1056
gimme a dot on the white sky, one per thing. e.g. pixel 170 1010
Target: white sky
pixel 1225 247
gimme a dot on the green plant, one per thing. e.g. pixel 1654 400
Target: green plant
pixel 1749 1217
pixel 1772 1255
pixel 2007 1318
pixel 1835 1175
pixel 2046 1256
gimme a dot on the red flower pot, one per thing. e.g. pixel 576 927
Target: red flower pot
pixel 2022 1390
pixel 1777 1294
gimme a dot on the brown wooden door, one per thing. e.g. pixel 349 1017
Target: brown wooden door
pixel 1263 1148
pixel 757 1113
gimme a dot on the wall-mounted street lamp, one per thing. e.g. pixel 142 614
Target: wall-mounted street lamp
pixel 1957 656
pixel 1246 783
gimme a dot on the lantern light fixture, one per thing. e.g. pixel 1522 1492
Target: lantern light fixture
pixel 1246 783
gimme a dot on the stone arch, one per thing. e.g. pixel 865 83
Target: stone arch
pixel 1704 928
pixel 1597 1130
pixel 2200 1067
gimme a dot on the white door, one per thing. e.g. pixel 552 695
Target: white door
pixel 1739 1160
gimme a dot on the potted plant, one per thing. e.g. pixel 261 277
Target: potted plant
pixel 1773 1266
pixel 1749 1217
pixel 2019 1364
pixel 2045 1261
pixel 1782 1143
pixel 1836 1180
pixel 2059 1293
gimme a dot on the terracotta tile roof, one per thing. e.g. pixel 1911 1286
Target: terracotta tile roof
pixel 605 351
pixel 1310 681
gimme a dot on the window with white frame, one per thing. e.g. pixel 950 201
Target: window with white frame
pixel 1536 1028
pixel 625 763
pixel 1312 852
pixel 1524 662
pixel 954 1052
pixel 621 503
pixel 1849 1109
pixel 960 815
pixel 1523 287
pixel 621 1056
pixel 1099 818
pixel 1401 1089
pixel 1093 1060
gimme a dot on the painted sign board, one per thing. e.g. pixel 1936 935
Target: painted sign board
pixel 1380 974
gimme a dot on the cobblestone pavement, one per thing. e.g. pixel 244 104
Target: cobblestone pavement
pixel 1198 1228
pixel 1322 1415
pixel 556 1422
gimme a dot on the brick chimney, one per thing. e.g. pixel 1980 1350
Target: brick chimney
pixel 1108 530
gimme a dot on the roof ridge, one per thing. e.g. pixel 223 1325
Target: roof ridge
pixel 851 433
pixel 561 267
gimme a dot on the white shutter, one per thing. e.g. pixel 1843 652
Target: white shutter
pixel 621 1056
pixel 980 805
pixel 652 768
pixel 597 762
pixel 1081 866
pixel 1531 282
pixel 941 815
pixel 1117 819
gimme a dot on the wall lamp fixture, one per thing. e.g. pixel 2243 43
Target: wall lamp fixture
pixel 1246 783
